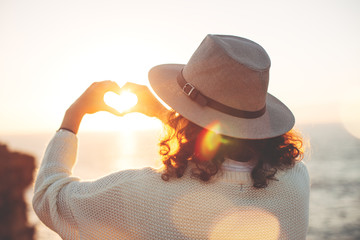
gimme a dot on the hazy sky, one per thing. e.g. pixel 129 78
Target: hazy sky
pixel 50 51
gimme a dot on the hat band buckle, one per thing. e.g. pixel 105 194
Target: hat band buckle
pixel 195 95
pixel 192 88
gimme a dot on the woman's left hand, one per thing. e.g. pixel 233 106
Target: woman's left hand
pixel 91 101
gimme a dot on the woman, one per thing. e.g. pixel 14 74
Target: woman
pixel 232 166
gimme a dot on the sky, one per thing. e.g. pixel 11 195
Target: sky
pixel 51 51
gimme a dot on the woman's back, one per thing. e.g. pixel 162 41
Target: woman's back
pixel 138 204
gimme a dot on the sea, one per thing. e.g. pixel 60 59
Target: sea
pixel 332 157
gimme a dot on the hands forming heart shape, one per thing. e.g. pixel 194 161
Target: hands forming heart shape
pixel 122 102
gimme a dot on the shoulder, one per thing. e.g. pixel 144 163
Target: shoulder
pixel 133 175
pixel 296 178
pixel 298 170
pixel 126 179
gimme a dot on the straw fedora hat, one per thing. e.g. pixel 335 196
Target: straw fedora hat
pixel 225 84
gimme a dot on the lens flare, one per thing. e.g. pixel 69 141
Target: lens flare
pixel 251 223
pixel 226 220
pixel 121 102
pixel 208 142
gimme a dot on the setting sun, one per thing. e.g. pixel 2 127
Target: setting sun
pixel 122 102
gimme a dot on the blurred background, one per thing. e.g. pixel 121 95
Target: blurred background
pixel 51 51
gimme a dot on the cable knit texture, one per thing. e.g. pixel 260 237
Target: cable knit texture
pixel 138 204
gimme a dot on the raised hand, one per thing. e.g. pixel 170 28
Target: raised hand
pixel 147 103
pixel 91 101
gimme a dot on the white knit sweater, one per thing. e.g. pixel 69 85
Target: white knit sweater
pixel 138 204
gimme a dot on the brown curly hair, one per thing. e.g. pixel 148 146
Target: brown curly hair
pixel 186 141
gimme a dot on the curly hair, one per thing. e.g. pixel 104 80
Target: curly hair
pixel 186 141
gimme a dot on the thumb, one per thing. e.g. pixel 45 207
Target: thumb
pixel 112 110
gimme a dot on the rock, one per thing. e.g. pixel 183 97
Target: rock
pixel 16 174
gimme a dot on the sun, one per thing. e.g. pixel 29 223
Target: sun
pixel 121 102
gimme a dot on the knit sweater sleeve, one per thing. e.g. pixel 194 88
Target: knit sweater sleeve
pixel 53 177
pixel 76 209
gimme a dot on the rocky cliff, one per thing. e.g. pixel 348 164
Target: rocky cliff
pixel 16 174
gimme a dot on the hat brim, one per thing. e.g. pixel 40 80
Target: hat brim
pixel 277 120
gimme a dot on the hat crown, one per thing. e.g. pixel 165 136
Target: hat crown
pixel 231 70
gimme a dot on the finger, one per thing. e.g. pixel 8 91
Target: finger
pixel 106 86
pixel 130 110
pixel 128 86
pixel 133 87
pixel 112 110
pixel 111 86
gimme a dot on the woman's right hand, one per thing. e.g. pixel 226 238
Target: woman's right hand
pixel 147 103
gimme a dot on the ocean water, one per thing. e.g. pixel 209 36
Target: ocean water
pixel 332 158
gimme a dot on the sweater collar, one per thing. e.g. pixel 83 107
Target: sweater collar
pixel 232 165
